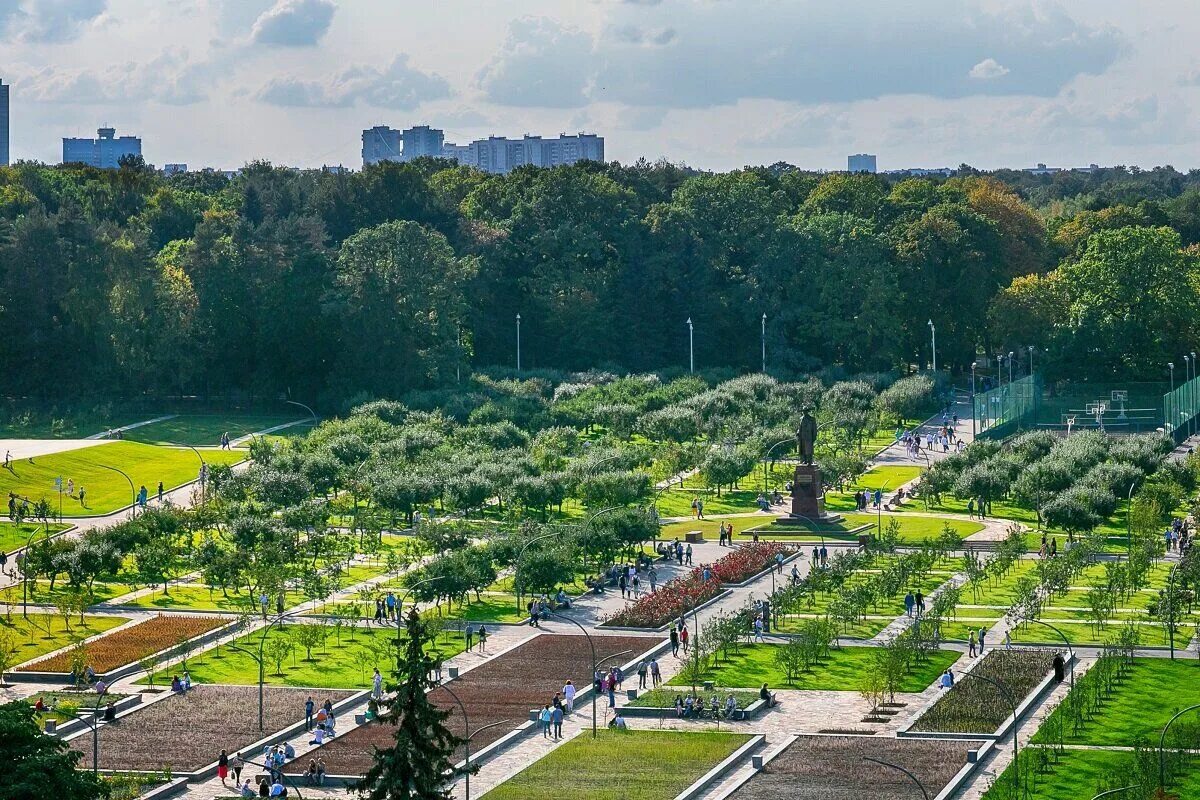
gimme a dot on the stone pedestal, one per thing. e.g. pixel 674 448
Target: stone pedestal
pixel 808 498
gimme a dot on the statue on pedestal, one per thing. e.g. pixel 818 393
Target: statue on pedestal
pixel 806 438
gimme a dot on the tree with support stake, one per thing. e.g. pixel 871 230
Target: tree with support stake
pixel 419 766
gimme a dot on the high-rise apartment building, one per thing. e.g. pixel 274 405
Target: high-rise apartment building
pixel 861 162
pixel 381 143
pixel 105 151
pixel 3 124
pixel 422 141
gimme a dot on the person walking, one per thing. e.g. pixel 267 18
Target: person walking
pixel 544 717
pixel 683 639
pixel 674 641
pixel 920 603
pixel 971 645
pixel 309 707
pixel 377 685
pixel 569 696
pixel 643 669
pixel 982 633
pixel 483 635
pixel 653 576
pixel 556 716
pixel 655 673
pixel 223 766
pixel 160 493
pixel 688 552
pixel 470 634
pixel 610 688
pixel 909 603
pixel 82 495
pixel 239 764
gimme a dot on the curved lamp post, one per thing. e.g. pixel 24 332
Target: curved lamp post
pixel 595 663
pixel 1111 792
pixel 1162 763
pixel 1170 608
pixel 312 413
pixel 767 457
pixel 468 734
pixel 1063 636
pixel 1004 690
pixel 93 723
pixel 203 465
pixel 920 785
pixel 260 657
pixel 132 489
pixel 24 563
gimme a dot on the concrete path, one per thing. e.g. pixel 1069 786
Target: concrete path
pixel 23 449
pixel 108 433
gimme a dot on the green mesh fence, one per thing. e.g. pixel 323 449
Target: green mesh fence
pixel 1180 407
pixel 1008 408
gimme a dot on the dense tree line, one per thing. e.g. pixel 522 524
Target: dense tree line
pixel 403 277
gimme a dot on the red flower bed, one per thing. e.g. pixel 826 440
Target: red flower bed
pixel 680 595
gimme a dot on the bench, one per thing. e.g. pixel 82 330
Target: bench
pixel 694 537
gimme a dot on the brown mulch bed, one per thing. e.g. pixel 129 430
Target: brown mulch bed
pixel 132 644
pixel 832 768
pixel 505 688
pixel 186 732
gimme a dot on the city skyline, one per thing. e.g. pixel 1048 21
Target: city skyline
pixel 717 86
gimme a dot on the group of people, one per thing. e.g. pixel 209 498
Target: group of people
pixel 725 534
pixel 764 503
pixel 321 720
pixel 820 556
pixel 180 685
pixel 1178 536
pixel 864 498
pixel 692 706
pixel 143 495
pixel 385 608
pixel 563 703
pixel 914 603
pixel 943 438
pixel 540 608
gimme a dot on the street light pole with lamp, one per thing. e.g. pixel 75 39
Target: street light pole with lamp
pixel 518 342
pixel 973 413
pixel 1004 690
pixel 1162 740
pixel 764 343
pixel 691 347
pixel 920 785
pixel 1066 641
pixel 132 488
pixel 1171 421
pixel 468 733
pixel 1010 360
pixel 933 343
pixel 260 658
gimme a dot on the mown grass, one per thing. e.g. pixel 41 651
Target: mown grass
pixel 14 537
pixel 42 633
pixel 106 490
pixel 344 661
pixel 202 430
pixel 842 671
pixel 1080 774
pixel 630 765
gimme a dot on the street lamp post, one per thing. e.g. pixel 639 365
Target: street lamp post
pixel 1111 792
pixel 691 347
pixel 311 413
pixel 94 723
pixel 933 343
pixel 133 509
pixel 1128 528
pixel 1066 641
pixel 1192 426
pixel 260 657
pixel 920 785
pixel 1031 348
pixel 764 343
pixel 468 733
pixel 518 342
pixel 595 663
pixel 767 457
pixel 1162 740
pixel 879 511
pixel 999 362
pixel 203 466
pixel 973 413
pixel 1004 690
pixel 1171 421
pixel 1010 360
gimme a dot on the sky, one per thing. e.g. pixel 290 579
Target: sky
pixel 715 84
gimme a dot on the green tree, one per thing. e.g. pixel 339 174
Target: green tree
pixel 419 764
pixel 41 766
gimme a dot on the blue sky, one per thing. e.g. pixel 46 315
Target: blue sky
pixel 713 83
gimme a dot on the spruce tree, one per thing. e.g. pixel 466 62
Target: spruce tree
pixel 419 765
pixel 39 766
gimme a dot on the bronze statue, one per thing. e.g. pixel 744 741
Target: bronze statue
pixel 806 437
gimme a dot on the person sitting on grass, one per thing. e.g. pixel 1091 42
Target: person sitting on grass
pixel 765 695
pixel 618 723
pixel 176 685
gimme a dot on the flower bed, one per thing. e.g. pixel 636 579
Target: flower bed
pixel 132 644
pixel 975 706
pixel 680 595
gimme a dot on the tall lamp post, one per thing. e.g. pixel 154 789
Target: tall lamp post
pixel 973 413
pixel 1063 636
pixel 1162 740
pixel 764 343
pixel 1174 405
pixel 1031 349
pixel 595 663
pixel 203 465
pixel 311 413
pixel 260 657
pixel 1010 360
pixel 999 363
pixel 132 489
pixel 933 343
pixel 879 510
pixel 518 342
pixel 691 347
pixel 1004 690
pixel 468 733
pixel 921 786
pixel 1192 427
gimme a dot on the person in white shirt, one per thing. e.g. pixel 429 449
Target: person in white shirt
pixel 569 695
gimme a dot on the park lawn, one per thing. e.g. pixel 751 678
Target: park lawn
pixel 1083 633
pixel 889 477
pixel 333 665
pixel 1156 576
pixel 60 706
pixel 15 537
pixel 1001 592
pixel 678 502
pixel 893 607
pixel 39 591
pixel 842 671
pixel 664 697
pixel 504 584
pixel 676 530
pixel 204 430
pixel 65 425
pixel 980 612
pixel 193 597
pixel 1077 598
pixel 866 628
pixel 778 474
pixel 630 765
pixel 1080 774
pixel 961 630
pixel 1139 707
pixel 107 491
pixel 43 633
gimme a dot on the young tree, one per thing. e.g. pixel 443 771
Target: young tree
pixel 420 763
pixel 41 766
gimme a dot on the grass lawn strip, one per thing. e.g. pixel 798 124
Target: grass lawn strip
pixel 1080 774
pixel 832 768
pixel 653 765
pixel 204 430
pixel 133 643
pixel 42 633
pixel 186 732
pixel 504 688
pixel 14 537
pixel 107 491
pixel 339 663
pixel 842 671
pixel 1139 706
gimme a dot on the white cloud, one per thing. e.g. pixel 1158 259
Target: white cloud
pixel 804 127
pixel 294 23
pixel 542 63
pixel 170 78
pixel 399 86
pixel 48 20
pixel 988 69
